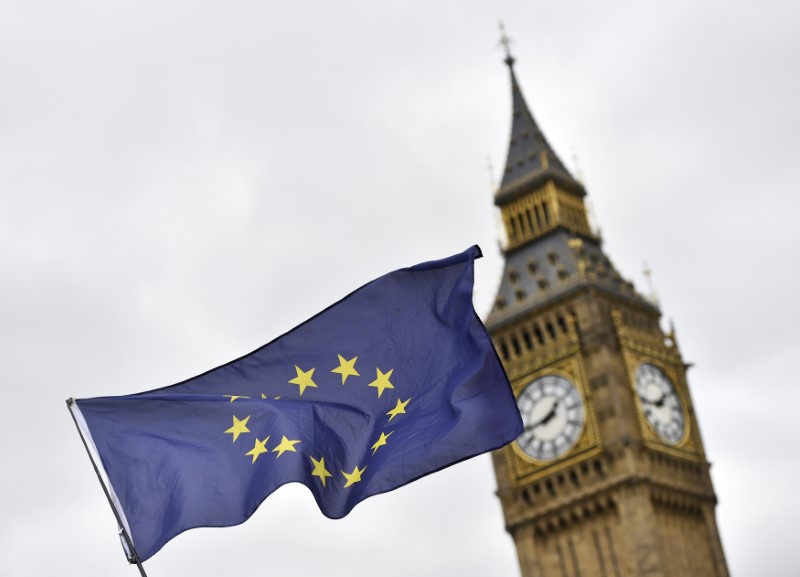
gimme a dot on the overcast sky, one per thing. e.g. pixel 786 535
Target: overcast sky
pixel 181 182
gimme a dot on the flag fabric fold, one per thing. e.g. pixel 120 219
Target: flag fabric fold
pixel 397 380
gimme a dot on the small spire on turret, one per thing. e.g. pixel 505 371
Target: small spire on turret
pixel 576 166
pixel 648 274
pixel 672 341
pixel 490 168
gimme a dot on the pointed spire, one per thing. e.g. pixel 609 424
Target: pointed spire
pixel 530 157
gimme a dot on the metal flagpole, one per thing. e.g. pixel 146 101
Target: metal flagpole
pixel 123 532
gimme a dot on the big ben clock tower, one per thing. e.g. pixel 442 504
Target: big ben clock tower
pixel 609 477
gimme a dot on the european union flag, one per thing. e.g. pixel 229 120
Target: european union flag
pixel 397 380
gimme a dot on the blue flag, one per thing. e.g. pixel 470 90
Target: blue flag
pixel 397 380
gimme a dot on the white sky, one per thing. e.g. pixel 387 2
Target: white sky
pixel 181 182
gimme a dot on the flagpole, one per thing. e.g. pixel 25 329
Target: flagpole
pixel 123 532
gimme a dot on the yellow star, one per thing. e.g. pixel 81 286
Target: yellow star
pixel 382 382
pixel 399 409
pixel 234 397
pixel 238 427
pixel 354 477
pixel 346 368
pixel 303 379
pixel 380 442
pixel 320 470
pixel 259 448
pixel 263 396
pixel 286 445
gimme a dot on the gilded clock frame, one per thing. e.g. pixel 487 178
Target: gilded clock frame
pixel 639 348
pixel 526 468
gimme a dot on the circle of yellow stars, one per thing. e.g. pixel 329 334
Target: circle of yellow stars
pixel 304 379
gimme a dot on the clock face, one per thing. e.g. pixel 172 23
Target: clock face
pixel 553 416
pixel 660 403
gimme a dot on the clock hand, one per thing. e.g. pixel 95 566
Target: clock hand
pixel 546 419
pixel 552 413
pixel 654 402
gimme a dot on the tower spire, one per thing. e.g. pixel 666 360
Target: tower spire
pixel 530 158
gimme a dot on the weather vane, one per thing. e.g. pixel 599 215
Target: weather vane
pixel 505 42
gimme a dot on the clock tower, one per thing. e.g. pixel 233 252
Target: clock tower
pixel 609 477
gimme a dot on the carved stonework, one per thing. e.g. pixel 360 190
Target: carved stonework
pixel 609 478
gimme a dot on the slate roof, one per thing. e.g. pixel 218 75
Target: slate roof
pixel 548 270
pixel 524 164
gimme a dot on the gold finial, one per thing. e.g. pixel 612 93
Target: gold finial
pixel 592 217
pixel 578 171
pixel 545 160
pixel 490 168
pixel 672 340
pixel 648 274
pixel 576 244
pixel 506 42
